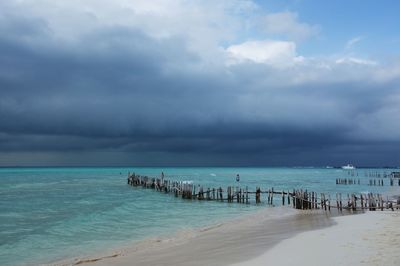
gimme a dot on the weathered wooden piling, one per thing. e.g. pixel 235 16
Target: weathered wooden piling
pixel 258 195
pixel 329 202
pixel 301 199
pixel 247 195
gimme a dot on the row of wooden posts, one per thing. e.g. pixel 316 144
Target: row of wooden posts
pixel 347 181
pixel 300 199
pixel 375 174
pixel 379 175
pixel 372 182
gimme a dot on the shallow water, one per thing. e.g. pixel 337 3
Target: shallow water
pixel 50 214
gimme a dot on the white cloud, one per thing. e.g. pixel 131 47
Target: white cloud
pixel 203 25
pixel 356 61
pixel 277 53
pixel 202 28
pixel 350 43
pixel 287 23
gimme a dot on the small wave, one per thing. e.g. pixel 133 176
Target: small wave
pixel 212 174
pixel 96 259
pixel 79 261
pixel 208 228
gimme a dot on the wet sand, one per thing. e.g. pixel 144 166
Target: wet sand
pixel 224 244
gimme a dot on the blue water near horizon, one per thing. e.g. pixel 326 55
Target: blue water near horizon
pixel 50 214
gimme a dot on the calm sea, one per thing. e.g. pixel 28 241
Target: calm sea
pixel 51 214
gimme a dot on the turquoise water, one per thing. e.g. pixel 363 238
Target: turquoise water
pixel 50 214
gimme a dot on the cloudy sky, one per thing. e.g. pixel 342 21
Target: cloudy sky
pixel 137 82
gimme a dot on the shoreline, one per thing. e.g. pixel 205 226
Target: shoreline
pixel 232 241
pixel 312 238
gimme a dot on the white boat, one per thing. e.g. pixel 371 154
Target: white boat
pixel 348 167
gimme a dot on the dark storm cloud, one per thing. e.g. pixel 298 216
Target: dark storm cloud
pixel 118 89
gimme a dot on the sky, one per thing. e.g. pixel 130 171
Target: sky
pixel 199 83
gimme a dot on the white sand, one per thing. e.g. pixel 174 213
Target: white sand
pixel 372 238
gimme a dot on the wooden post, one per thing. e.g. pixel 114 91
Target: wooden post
pixel 379 201
pixel 294 199
pixel 303 197
pixel 272 196
pixel 369 201
pixel 366 201
pixel 362 201
pixel 247 195
pixel 329 202
pixel 337 202
pixel 322 202
pixel 313 200
pixel 258 194
pixel 355 202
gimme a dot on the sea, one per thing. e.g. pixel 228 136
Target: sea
pixel 55 214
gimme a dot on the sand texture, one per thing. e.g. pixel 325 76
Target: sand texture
pixel 372 238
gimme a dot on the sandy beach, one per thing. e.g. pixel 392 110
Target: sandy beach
pixel 372 238
pixel 240 239
pixel 279 236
